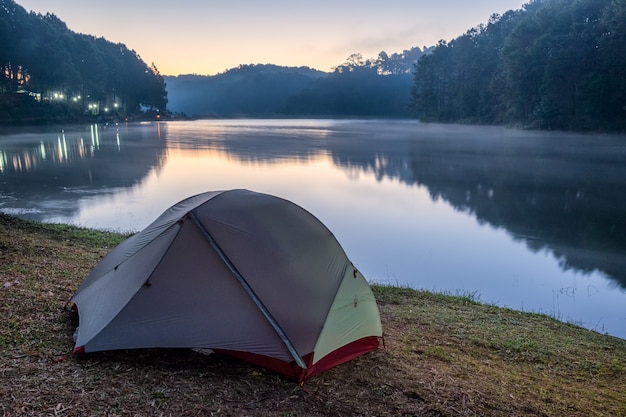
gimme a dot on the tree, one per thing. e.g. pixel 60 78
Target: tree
pixel 556 64
pixel 38 53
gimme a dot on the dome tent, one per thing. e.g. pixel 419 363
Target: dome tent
pixel 243 273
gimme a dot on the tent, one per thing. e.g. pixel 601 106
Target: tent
pixel 243 273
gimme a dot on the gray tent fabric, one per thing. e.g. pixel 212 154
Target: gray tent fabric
pixel 237 271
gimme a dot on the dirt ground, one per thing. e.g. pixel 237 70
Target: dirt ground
pixel 443 356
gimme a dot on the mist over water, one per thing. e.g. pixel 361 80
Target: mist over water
pixel 534 221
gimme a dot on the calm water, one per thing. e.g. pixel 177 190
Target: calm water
pixel 533 221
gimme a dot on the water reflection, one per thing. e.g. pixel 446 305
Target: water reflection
pixel 444 205
pixel 44 173
pixel 28 159
pixel 561 192
pixel 255 140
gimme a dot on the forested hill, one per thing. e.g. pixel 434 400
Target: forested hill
pixel 359 87
pixel 555 64
pixel 48 72
pixel 247 89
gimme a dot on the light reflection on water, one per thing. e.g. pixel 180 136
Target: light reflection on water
pixel 411 204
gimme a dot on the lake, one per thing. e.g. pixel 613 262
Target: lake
pixel 534 221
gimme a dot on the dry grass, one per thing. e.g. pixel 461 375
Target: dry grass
pixel 444 356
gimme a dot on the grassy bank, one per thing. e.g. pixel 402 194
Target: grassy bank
pixel 444 356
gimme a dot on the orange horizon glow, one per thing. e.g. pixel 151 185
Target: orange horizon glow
pixel 207 38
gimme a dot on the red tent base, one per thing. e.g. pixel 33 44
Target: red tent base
pixel 293 371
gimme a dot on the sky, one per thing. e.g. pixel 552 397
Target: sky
pixel 207 37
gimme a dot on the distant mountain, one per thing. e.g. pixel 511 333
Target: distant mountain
pixel 358 87
pixel 245 90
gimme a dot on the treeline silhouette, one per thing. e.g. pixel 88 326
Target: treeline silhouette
pixel 358 87
pixel 555 64
pixel 245 90
pixel 48 72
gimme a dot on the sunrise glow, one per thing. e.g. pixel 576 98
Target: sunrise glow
pixel 206 38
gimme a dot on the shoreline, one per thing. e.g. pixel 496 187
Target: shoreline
pixel 443 355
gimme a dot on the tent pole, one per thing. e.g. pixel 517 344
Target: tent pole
pixel 281 333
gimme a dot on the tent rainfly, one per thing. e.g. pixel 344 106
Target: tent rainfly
pixel 246 274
